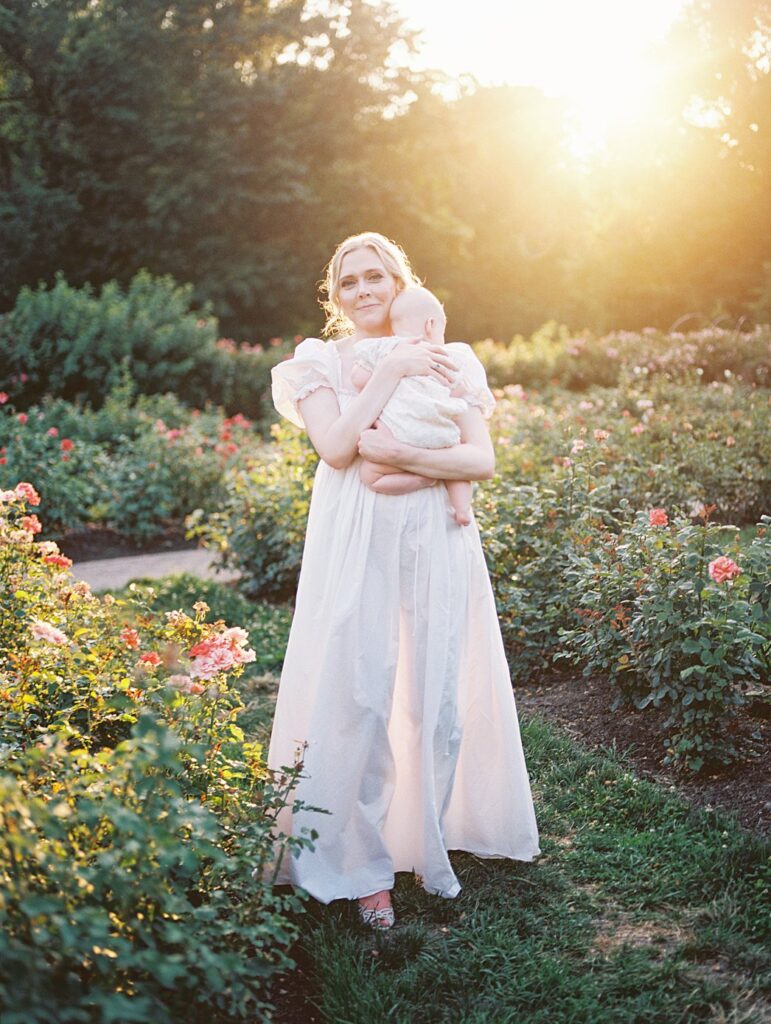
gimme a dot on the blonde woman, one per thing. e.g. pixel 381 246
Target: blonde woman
pixel 395 683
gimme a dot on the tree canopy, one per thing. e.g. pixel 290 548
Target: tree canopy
pixel 233 143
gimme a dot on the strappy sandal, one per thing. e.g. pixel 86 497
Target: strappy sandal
pixel 377 917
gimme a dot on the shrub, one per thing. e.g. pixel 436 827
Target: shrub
pixel 660 619
pixel 529 534
pixel 266 623
pixel 69 342
pixel 553 356
pixel 124 465
pixel 138 822
pixel 260 528
pixel 667 443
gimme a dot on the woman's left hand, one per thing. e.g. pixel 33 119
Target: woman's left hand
pixel 378 444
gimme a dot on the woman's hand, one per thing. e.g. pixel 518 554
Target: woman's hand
pixel 378 444
pixel 415 357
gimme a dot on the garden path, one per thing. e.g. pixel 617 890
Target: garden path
pixel 112 573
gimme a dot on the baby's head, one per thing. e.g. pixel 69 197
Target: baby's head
pixel 417 311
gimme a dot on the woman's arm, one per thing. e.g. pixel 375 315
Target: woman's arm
pixel 335 434
pixel 472 459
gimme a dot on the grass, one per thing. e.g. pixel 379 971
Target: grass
pixel 641 910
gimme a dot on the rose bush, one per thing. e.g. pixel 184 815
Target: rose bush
pixel 260 527
pixel 136 466
pixel 674 626
pixel 553 356
pixel 662 444
pixel 137 839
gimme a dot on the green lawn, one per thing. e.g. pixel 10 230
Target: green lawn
pixel 639 910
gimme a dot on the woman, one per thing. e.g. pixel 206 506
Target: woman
pixel 395 684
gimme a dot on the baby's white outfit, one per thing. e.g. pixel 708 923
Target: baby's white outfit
pixel 421 411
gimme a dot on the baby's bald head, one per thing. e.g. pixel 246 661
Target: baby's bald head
pixel 417 311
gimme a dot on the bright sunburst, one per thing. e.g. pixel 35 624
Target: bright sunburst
pixel 596 54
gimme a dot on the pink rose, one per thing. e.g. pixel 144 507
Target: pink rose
pixel 130 638
pixel 184 684
pixel 28 492
pixel 52 432
pixel 60 561
pixel 31 524
pixel 22 418
pixel 578 446
pixel 601 435
pixel 723 569
pixel 3 397
pixel 658 517
pixel 638 428
pixel 45 631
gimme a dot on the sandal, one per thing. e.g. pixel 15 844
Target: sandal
pixel 377 917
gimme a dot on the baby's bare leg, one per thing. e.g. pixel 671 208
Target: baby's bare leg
pixel 460 492
pixel 390 480
pixel 401 483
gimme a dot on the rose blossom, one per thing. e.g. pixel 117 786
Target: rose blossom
pixel 638 428
pixel 601 435
pixel 658 517
pixel 31 524
pixel 22 418
pixel 220 653
pixel 3 397
pixel 130 638
pixel 45 631
pixel 66 444
pixel 730 442
pixel 723 569
pixel 578 446
pixel 184 684
pixel 28 492
pixel 52 432
pixel 150 658
pixel 61 561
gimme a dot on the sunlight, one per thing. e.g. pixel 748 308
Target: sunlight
pixel 596 55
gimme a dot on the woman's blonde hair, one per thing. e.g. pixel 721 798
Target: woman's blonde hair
pixel 394 259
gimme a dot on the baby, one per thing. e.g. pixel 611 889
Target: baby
pixel 421 410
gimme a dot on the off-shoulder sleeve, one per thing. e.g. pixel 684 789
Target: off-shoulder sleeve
pixel 296 378
pixel 472 378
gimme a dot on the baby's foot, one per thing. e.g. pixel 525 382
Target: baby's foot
pixel 462 516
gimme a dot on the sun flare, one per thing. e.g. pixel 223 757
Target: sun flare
pixel 597 55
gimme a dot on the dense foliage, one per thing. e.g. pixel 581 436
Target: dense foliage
pixel 138 466
pixel 553 355
pixel 259 528
pixel 67 342
pixel 138 823
pixel 233 144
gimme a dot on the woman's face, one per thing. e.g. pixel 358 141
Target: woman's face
pixel 365 293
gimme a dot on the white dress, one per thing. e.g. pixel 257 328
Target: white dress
pixel 395 679
pixel 421 411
